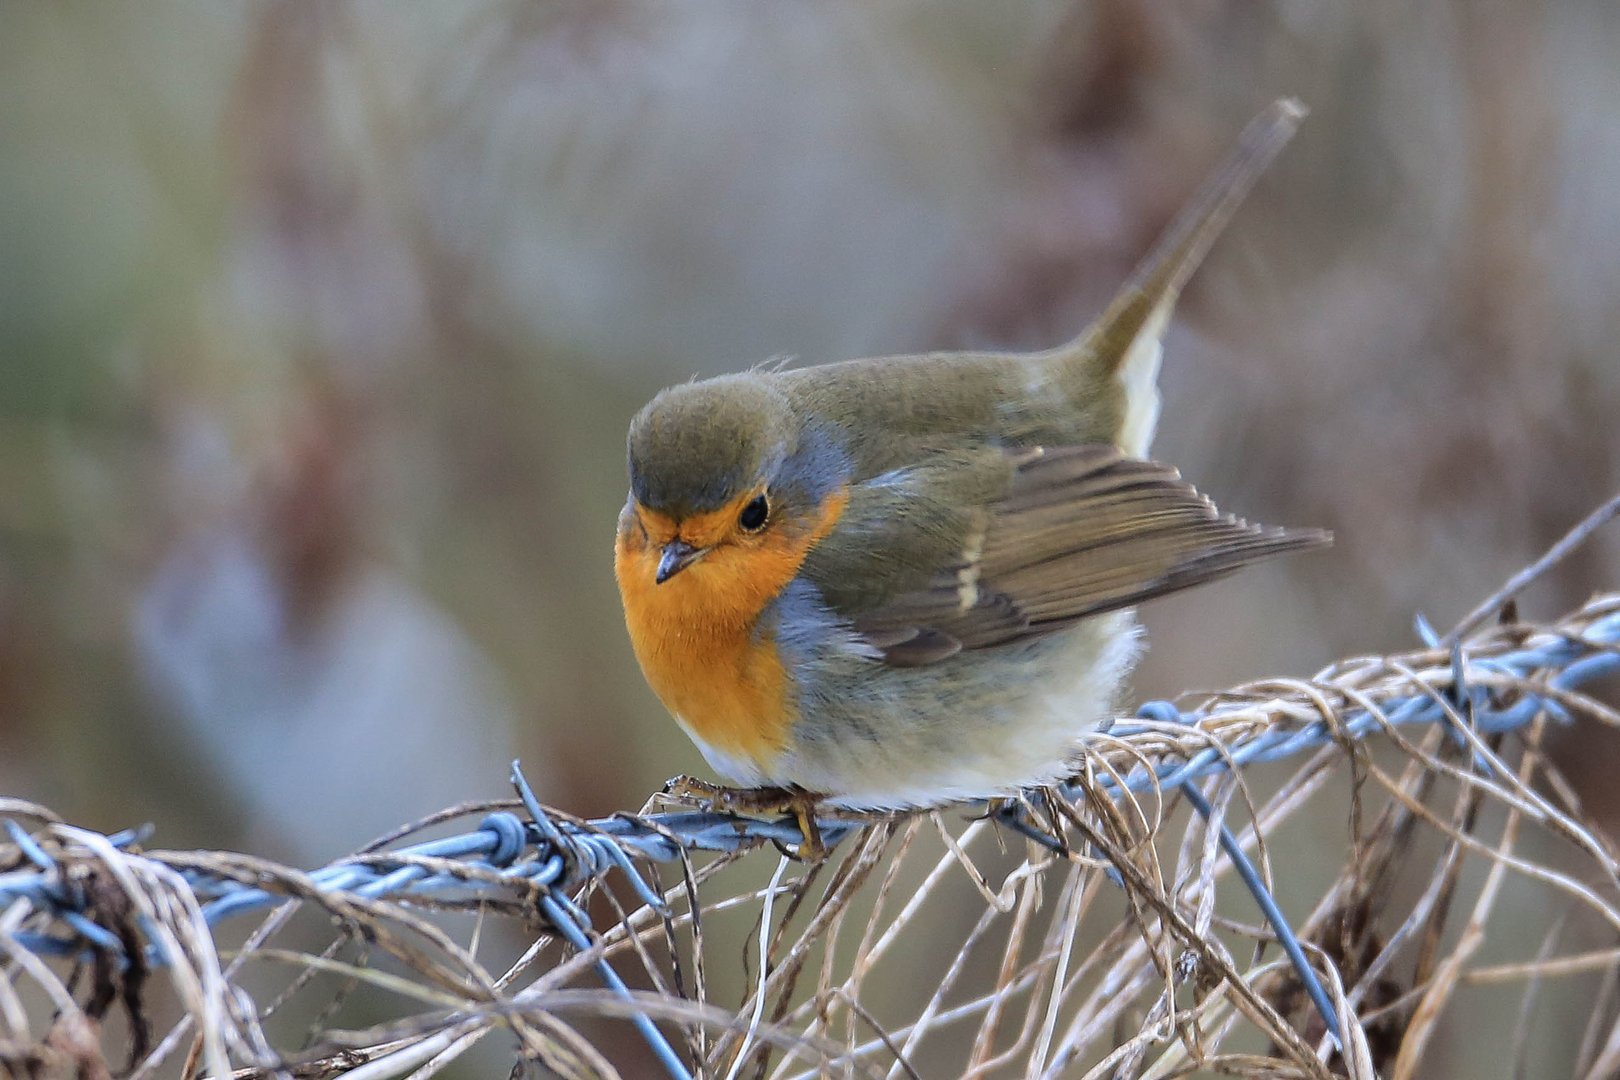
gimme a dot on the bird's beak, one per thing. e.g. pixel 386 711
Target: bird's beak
pixel 677 556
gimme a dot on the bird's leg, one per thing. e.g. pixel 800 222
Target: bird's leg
pixel 811 848
pixel 761 800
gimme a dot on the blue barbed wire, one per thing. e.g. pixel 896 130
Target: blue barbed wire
pixel 550 857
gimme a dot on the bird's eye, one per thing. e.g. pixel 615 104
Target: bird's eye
pixel 752 518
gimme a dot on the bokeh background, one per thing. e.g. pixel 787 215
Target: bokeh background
pixel 321 323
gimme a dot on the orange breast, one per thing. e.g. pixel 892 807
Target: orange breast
pixel 694 635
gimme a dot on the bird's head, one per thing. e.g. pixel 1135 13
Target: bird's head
pixel 725 472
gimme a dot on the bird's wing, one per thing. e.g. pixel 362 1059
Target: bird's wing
pixel 974 549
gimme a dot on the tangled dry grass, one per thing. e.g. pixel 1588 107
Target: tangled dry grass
pixel 1105 940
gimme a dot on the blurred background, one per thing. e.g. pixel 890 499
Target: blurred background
pixel 321 324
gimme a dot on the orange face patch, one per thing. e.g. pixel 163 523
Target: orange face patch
pixel 694 633
pixel 699 530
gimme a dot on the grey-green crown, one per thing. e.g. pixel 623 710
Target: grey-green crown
pixel 697 446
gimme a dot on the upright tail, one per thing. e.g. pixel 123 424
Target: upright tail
pixel 1125 342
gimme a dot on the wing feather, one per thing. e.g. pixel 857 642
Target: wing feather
pixel 1077 531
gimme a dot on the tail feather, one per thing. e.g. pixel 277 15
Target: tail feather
pixel 1124 342
pixel 1159 278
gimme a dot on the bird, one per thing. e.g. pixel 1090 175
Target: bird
pixel 907 581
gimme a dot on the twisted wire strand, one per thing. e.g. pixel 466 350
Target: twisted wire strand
pixel 508 855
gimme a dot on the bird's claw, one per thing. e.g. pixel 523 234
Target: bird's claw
pixel 801 805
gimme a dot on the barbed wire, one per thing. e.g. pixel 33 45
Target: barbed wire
pixel 557 851
pixel 54 892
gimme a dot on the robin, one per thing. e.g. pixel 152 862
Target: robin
pixel 906 581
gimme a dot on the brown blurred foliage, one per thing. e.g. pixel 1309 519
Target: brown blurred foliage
pixel 321 323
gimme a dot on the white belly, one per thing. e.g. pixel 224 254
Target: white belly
pixel 991 727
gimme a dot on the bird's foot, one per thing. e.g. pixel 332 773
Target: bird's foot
pixel 799 804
